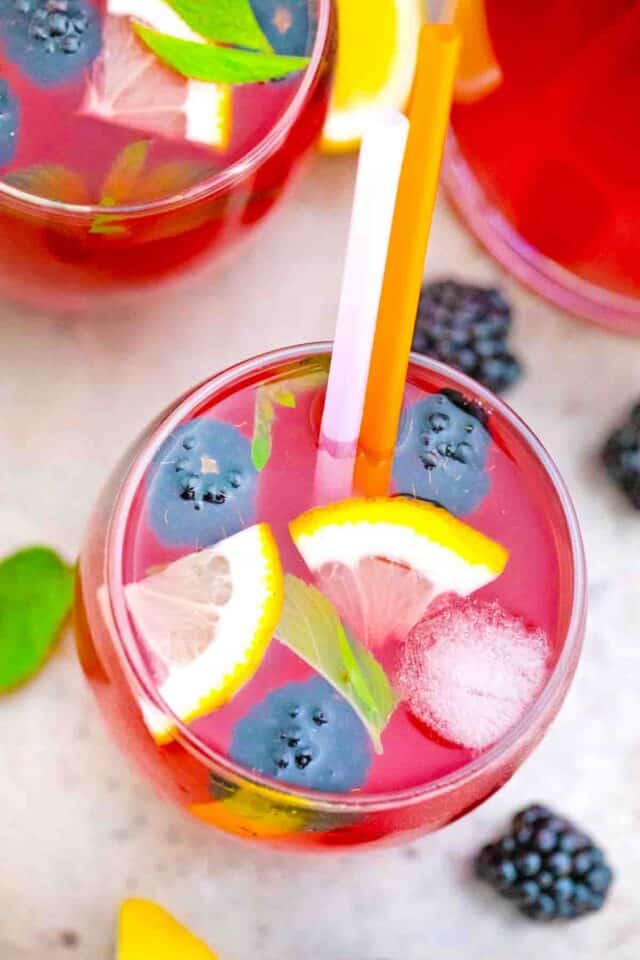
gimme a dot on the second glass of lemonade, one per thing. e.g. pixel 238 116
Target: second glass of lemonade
pixel 320 672
pixel 141 139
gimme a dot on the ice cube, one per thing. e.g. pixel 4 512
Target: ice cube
pixel 470 669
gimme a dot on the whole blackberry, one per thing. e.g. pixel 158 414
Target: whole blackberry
pixel 467 327
pixel 549 868
pixel 621 455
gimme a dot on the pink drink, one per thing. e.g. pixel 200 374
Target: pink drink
pixel 422 779
pixel 543 164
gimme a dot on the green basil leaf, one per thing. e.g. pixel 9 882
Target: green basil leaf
pixel 213 64
pixel 263 418
pixel 223 21
pixel 310 626
pixel 36 593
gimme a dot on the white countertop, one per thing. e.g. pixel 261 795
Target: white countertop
pixel 79 830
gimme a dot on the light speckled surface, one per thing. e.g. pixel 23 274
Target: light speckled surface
pixel 79 830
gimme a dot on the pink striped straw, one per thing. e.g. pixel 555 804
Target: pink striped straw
pixel 381 156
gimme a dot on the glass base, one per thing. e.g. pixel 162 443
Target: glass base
pixel 546 277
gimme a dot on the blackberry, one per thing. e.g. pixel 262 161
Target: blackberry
pixel 549 868
pixel 467 327
pixel 621 455
pixel 51 40
pixel 202 484
pixel 9 123
pixel 305 734
pixel 442 452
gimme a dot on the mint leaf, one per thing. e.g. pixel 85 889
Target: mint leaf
pixel 284 397
pixel 223 21
pixel 212 64
pixel 36 593
pixel 120 185
pixel 310 626
pixel 263 418
pixel 50 181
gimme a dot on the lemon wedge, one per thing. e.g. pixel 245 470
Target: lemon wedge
pixel 147 931
pixel 377 46
pixel 130 87
pixel 209 618
pixel 382 561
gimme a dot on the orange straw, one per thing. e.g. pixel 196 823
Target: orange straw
pixel 428 121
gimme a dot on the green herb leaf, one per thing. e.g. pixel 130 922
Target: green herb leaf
pixel 108 225
pixel 50 181
pixel 224 21
pixel 36 593
pixel 311 628
pixel 171 177
pixel 283 397
pixel 121 183
pixel 213 64
pixel 263 418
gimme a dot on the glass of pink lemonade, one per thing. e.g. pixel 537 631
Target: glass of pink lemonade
pixel 316 672
pixel 543 158
pixel 140 139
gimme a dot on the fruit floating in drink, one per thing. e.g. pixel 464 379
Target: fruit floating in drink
pixel 543 160
pixel 141 138
pixel 319 672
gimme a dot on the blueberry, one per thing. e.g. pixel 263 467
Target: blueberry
pixel 467 327
pixel 333 756
pixel 286 25
pixel 52 41
pixel 202 484
pixel 9 123
pixel 443 453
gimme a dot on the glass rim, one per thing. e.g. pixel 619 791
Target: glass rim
pixel 546 277
pixel 125 642
pixel 210 186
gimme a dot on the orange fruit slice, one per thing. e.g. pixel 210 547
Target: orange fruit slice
pixel 377 48
pixel 383 561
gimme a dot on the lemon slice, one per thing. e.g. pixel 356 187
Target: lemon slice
pixel 382 561
pixel 147 931
pixel 377 48
pixel 208 618
pixel 130 87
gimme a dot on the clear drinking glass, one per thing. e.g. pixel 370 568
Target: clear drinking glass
pixel 190 768
pixel 70 256
pixel 542 159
